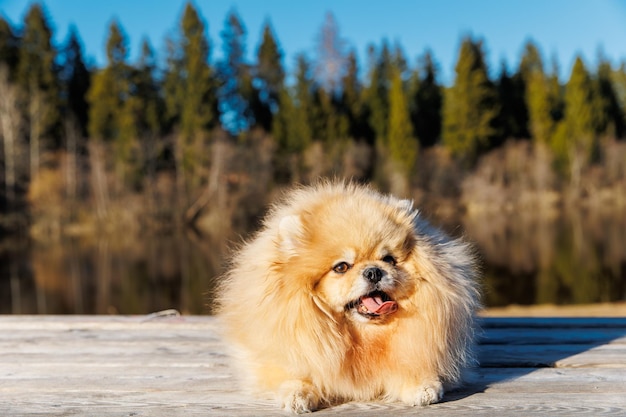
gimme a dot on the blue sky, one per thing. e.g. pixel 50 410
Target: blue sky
pixel 562 28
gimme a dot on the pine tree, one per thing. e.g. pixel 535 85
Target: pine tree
pixel 189 85
pixel 427 101
pixel 512 120
pixel 580 99
pixel 531 61
pixel 292 129
pixel 110 90
pixel 470 104
pixel 555 92
pixel 538 95
pixel 400 141
pixel 540 120
pixel 76 79
pixel 9 46
pixel 581 117
pixel 103 106
pixel 398 62
pixel 610 118
pixel 235 90
pixel 268 79
pixel 575 141
pixel 142 107
pixel 146 92
pixel 351 101
pixel 284 129
pixel 142 116
pixel 112 106
pixel 327 121
pixel 376 94
pixel 37 59
pixel 618 79
pixel 303 100
pixel 190 93
pixel 37 76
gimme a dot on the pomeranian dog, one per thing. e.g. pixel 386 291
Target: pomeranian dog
pixel 347 294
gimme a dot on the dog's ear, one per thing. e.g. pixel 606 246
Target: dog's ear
pixel 290 232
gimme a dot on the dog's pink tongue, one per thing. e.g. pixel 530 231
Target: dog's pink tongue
pixel 376 305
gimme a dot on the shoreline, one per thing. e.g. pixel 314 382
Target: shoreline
pixel 616 309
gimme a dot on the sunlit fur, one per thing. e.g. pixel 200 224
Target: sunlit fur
pixel 284 308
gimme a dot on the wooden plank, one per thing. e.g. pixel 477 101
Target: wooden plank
pixel 538 356
pixel 151 366
pixel 506 336
pixel 190 351
pixel 186 352
pixel 205 379
pixel 142 403
pixel 511 404
pixel 548 336
pixel 553 322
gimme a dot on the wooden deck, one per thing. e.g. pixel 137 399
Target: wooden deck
pixel 166 366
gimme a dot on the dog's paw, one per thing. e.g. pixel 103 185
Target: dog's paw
pixel 425 394
pixel 299 397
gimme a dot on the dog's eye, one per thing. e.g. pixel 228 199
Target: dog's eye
pixel 341 267
pixel 389 259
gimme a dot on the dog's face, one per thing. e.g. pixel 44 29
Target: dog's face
pixel 365 285
pixel 354 256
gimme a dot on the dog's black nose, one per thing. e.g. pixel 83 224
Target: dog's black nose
pixel 373 274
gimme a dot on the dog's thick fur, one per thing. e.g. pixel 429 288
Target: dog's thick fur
pixel 290 301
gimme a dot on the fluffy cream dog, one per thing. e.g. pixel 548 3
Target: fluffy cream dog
pixel 346 294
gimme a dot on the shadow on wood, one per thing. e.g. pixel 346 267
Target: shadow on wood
pixel 511 348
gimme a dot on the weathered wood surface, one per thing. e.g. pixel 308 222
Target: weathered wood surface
pixel 150 366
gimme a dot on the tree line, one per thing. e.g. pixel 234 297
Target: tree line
pixel 189 132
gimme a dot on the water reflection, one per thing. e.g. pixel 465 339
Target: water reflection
pixel 568 257
pixel 529 257
pixel 110 275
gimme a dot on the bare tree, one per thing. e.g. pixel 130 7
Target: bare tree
pixel 10 127
pixel 215 191
pixel 99 179
pixel 72 138
pixel 331 55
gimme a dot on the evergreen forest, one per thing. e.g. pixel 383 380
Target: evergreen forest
pixel 182 140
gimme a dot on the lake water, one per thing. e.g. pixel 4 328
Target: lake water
pixel 566 257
